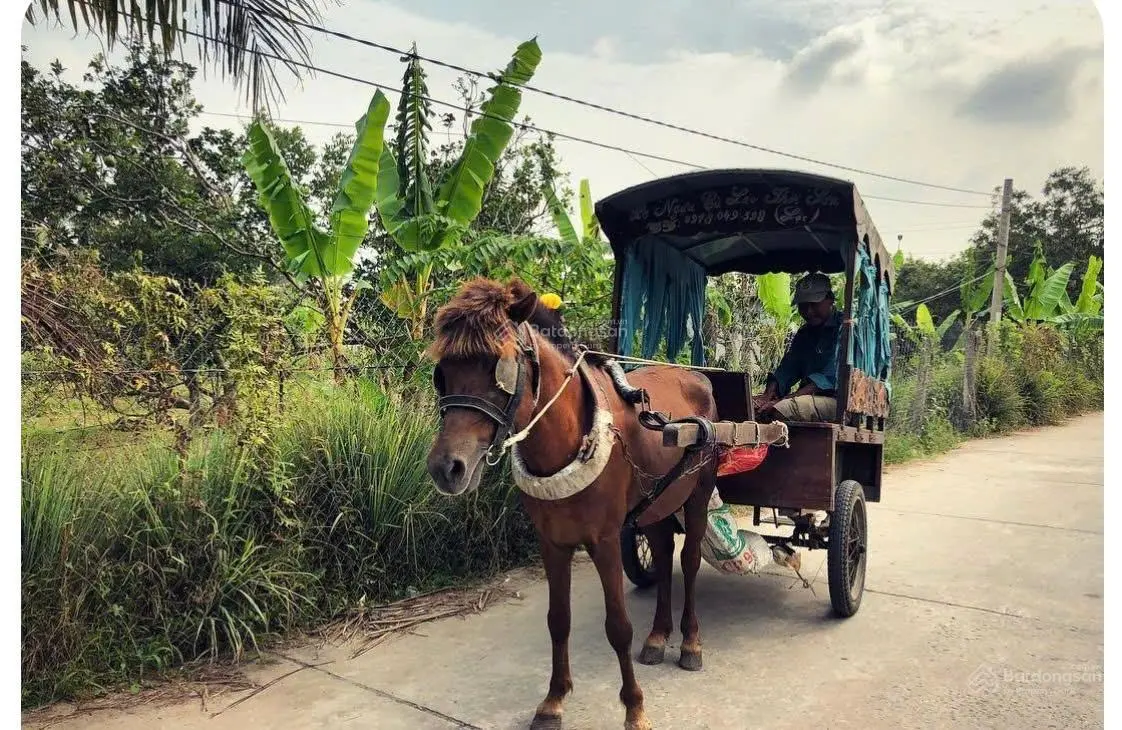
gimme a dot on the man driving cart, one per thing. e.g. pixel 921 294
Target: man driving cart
pixel 811 361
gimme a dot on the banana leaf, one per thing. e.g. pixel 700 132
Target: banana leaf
pixel 560 217
pixel 1045 298
pixel 976 296
pixel 945 325
pixel 305 245
pixel 461 196
pixel 391 207
pixel 357 187
pixel 1078 320
pixel 774 292
pixel 588 213
pixel 1087 303
pixel 924 323
pixel 1012 302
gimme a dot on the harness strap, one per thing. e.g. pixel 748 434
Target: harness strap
pixel 656 421
pixel 504 418
pixel 472 402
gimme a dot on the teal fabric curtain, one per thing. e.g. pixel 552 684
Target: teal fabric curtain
pixel 870 347
pixel 666 290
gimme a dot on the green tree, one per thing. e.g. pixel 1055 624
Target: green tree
pixel 113 167
pixel 1067 222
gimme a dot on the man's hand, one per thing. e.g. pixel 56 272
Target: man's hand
pixel 808 389
pixel 767 399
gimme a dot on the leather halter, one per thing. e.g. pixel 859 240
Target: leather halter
pixel 503 418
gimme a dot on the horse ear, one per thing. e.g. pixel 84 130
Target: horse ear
pixel 525 300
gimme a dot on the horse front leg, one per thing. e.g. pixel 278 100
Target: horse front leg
pixel 558 571
pixel 660 537
pixel 696 513
pixel 617 625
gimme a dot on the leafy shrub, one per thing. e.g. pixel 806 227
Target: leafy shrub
pixel 1001 407
pixel 151 566
pixel 1044 397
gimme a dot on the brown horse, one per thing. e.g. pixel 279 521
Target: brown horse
pixel 501 357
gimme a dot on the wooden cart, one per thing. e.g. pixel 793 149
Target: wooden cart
pixel 757 221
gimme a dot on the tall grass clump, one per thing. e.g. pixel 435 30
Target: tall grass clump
pixel 374 525
pixel 152 562
pixel 144 567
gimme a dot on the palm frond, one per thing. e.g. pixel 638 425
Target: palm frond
pixel 244 39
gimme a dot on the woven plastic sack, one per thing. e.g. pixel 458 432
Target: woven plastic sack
pixel 739 459
pixel 728 548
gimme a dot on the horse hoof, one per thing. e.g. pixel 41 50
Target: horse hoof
pixel 690 661
pixel 639 723
pixel 546 722
pixel 652 655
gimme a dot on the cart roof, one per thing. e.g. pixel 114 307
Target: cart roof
pixel 749 220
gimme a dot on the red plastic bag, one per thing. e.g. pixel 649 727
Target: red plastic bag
pixel 739 459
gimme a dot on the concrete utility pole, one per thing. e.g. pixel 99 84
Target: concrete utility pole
pixel 999 270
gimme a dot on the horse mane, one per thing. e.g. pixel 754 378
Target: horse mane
pixel 475 322
pixel 479 321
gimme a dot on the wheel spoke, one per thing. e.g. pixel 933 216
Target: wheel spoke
pixel 643 548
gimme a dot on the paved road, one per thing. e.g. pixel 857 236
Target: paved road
pixel 983 608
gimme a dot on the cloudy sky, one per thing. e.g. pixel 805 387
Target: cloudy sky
pixel 949 93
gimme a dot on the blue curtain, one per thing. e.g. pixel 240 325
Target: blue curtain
pixel 667 290
pixel 871 349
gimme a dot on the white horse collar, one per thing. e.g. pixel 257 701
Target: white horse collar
pixel 586 466
pixel 575 476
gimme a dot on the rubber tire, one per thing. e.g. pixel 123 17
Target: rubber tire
pixel 633 568
pixel 849 498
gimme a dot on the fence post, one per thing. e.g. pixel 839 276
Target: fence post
pixel 280 390
pixel 969 380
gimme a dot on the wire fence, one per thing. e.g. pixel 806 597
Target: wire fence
pixel 180 388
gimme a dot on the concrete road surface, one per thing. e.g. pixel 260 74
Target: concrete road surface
pixel 983 608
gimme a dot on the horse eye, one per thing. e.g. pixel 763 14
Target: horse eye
pixel 438 380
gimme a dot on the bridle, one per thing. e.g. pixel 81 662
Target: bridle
pixel 508 379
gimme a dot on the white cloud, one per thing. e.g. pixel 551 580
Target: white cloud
pixel 891 103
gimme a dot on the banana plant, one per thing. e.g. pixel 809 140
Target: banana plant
pixel 324 258
pixel 1047 288
pixel 1086 312
pixel 924 331
pixel 415 217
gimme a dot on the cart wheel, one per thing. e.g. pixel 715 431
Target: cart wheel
pixel 847 548
pixel 638 561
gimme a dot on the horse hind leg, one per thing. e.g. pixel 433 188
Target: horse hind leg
pixel 617 625
pixel 660 537
pixel 696 513
pixel 558 570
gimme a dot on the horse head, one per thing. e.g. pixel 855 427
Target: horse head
pixel 487 375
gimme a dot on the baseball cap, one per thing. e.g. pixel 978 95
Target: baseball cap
pixel 812 288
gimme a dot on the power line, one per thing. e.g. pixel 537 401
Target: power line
pixel 956 287
pixel 629 152
pixel 450 105
pixel 924 202
pixel 936 227
pixel 519 125
pixel 618 112
pixel 277 119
